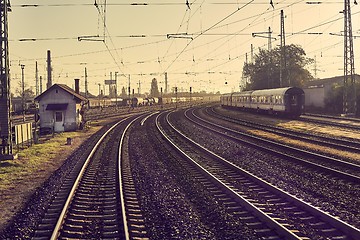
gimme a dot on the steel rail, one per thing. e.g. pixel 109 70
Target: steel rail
pixel 343 226
pixel 122 197
pixel 315 155
pixel 355 146
pixel 61 218
pixel 281 230
pixel 347 228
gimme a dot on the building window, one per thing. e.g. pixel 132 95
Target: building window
pixel 58 117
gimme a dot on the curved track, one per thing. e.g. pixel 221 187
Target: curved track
pixel 284 214
pixel 336 167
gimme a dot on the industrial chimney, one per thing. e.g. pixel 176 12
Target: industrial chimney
pixel 49 78
pixel 77 86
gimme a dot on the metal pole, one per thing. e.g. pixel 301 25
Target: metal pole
pixel 129 87
pixel 5 97
pixel 86 84
pixel 176 97
pixel 99 93
pixel 37 79
pixel 116 92
pixel 23 91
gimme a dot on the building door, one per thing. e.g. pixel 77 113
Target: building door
pixel 59 122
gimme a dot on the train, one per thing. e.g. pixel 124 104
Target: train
pixel 288 101
pixel 147 101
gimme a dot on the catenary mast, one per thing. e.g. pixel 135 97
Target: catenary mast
pixel 349 97
pixel 5 103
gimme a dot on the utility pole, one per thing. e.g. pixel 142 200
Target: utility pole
pixel 99 93
pixel 40 85
pixel 139 88
pixel 282 49
pixel 243 80
pixel 86 84
pixel 129 89
pixel 116 91
pixel 315 68
pixel 252 53
pixel 36 80
pixel 349 97
pixel 6 150
pixel 23 91
pixel 166 83
pixel 176 97
pixel 261 34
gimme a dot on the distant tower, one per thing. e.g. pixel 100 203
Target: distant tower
pixel 349 97
pixel 49 70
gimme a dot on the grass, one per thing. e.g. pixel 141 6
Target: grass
pixel 19 178
pixel 33 159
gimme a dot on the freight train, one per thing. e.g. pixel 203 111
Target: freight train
pixel 140 101
pixel 287 101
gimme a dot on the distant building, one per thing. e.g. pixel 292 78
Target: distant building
pixel 60 108
pixel 317 91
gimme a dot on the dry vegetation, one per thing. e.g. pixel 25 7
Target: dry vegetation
pixel 19 178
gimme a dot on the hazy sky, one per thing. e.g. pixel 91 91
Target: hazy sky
pixel 203 45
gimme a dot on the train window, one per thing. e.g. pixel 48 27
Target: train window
pixel 276 99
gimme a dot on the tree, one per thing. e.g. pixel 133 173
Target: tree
pixel 264 72
pixel 334 101
pixel 154 90
pixel 28 92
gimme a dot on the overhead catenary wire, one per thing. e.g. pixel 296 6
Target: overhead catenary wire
pixel 228 16
pixel 225 39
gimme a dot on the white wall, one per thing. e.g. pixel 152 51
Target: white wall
pixel 69 115
pixel 314 97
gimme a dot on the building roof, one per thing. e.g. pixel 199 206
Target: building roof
pixel 64 87
pixel 327 81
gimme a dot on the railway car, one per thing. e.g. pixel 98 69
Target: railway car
pixel 287 101
pixel 17 106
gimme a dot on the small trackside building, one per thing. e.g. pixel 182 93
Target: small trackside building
pixel 60 109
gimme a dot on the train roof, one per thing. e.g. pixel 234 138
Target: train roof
pixel 265 92
pixel 276 91
pixel 245 93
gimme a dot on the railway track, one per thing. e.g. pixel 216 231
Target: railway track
pixel 353 123
pixel 267 209
pixel 212 191
pixel 337 143
pixel 329 165
pixel 99 201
